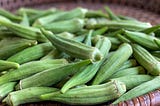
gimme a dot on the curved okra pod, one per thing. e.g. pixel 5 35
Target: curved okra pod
pixel 114 62
pixel 5 65
pixel 132 81
pixel 31 68
pixel 32 53
pixel 140 90
pixel 23 31
pixel 73 48
pixel 145 59
pixel 85 75
pixel 142 39
pixel 52 76
pixel 88 95
pixel 28 95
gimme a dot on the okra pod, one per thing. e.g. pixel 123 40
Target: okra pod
pixel 32 53
pixel 89 72
pixel 23 31
pixel 66 35
pixel 111 15
pixel 100 31
pixel 88 95
pixel 25 20
pixel 59 16
pixel 122 24
pixel 156 53
pixel 140 90
pixel 30 68
pixel 122 17
pixel 87 40
pixel 5 65
pixel 95 14
pixel 129 71
pixel 6 88
pixel 8 50
pixel 9 15
pixel 52 76
pixel 72 26
pixel 151 29
pixel 157 41
pixel 132 81
pixel 145 59
pixel 73 48
pixel 113 63
pixel 28 95
pixel 142 39
pixel 129 63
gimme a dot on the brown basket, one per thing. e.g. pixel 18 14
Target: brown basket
pixel 144 10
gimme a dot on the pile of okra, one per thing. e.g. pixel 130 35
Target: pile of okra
pixel 76 57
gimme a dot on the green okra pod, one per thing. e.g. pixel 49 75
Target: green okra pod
pixel 88 73
pixel 25 20
pixel 91 14
pixel 66 35
pixel 31 68
pixel 150 30
pixel 114 62
pixel 88 37
pixel 122 17
pixel 73 48
pixel 9 15
pixel 88 95
pixel 6 65
pixel 157 41
pixel 142 39
pixel 145 59
pixel 122 24
pixel 52 76
pixel 28 95
pixel 100 31
pixel 155 53
pixel 123 38
pixel 32 53
pixel 23 31
pixel 111 15
pixel 140 90
pixel 129 71
pixel 72 26
pixel 6 88
pixel 13 47
pixel 129 63
pixel 59 16
pixel 132 81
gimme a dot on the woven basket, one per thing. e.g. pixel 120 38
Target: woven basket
pixel 144 10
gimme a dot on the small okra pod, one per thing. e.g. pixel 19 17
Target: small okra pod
pixel 129 63
pixel 100 31
pixel 9 15
pixel 89 95
pixel 157 41
pixel 59 16
pixel 151 29
pixel 142 39
pixel 88 37
pixel 122 17
pixel 23 31
pixel 132 81
pixel 25 20
pixel 31 68
pixel 140 90
pixel 111 15
pixel 8 50
pixel 32 53
pixel 145 59
pixel 95 14
pixel 28 95
pixel 129 71
pixel 113 63
pixel 72 47
pixel 6 65
pixel 52 75
pixel 6 88
pixel 85 75
pixel 72 26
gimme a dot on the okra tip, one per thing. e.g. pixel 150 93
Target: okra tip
pixel 96 55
